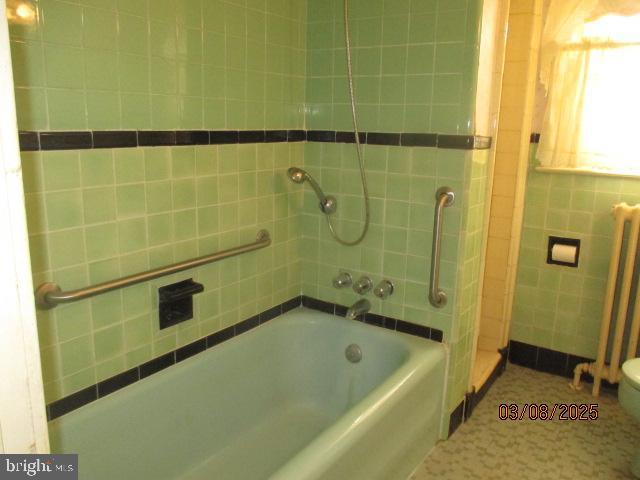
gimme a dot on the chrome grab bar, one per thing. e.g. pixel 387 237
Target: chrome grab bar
pixel 444 198
pixel 49 295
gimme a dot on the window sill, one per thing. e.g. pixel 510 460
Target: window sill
pixel 586 171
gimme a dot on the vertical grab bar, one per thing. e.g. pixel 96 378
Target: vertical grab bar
pixel 444 198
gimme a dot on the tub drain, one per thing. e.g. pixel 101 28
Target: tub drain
pixel 353 353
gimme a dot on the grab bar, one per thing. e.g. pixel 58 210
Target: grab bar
pixel 49 295
pixel 444 198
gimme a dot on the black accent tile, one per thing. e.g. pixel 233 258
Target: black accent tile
pixel 220 336
pixel 291 304
pixel 29 141
pixel 474 398
pixel 350 137
pixel 419 139
pixel 117 382
pixel 296 135
pixel 192 137
pixel 437 335
pixel 379 138
pixel 374 319
pixel 523 354
pixel 321 136
pixel 246 325
pixel 390 323
pixel 345 137
pixel 115 139
pixel 340 310
pixel 534 138
pixel 413 329
pixel 273 136
pixel 455 420
pixel 504 352
pixel 191 349
pixel 469 404
pixel 613 387
pixel 65 140
pixel 251 136
pixel 316 304
pixel 156 138
pixel 157 364
pixel 72 402
pixel 551 361
pixel 463 142
pixel 219 137
pixel 270 314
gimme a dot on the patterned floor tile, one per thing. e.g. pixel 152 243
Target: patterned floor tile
pixel 486 447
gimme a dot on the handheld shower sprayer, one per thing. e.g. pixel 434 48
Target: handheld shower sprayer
pixel 297 175
pixel 327 202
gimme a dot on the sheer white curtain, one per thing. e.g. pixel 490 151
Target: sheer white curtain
pixel 590 66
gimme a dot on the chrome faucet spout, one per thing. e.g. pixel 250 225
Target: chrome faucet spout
pixel 361 307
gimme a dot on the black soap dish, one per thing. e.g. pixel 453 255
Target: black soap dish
pixel 175 302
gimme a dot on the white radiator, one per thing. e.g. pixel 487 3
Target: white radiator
pixel 612 330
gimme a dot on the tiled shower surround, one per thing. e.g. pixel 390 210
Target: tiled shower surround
pixel 161 64
pixel 97 214
pixel 415 65
pixel 402 184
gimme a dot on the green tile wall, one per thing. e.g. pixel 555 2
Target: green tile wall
pixel 468 273
pixel 559 307
pixel 402 182
pixel 161 64
pixel 415 64
pixel 188 64
pixel 95 215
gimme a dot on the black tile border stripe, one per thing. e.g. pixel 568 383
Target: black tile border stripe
pixel 456 418
pixel 29 141
pixel 381 138
pixel 105 387
pixel 463 411
pixel 473 398
pixel 376 320
pixel 65 140
pixel 549 361
pixel 78 140
pixel 110 139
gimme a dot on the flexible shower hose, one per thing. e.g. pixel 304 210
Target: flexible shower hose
pixel 354 116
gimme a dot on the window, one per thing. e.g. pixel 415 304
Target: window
pixel 592 121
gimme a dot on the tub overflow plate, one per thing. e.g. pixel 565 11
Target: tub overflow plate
pixel 353 353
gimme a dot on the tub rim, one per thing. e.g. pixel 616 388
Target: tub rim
pixel 353 424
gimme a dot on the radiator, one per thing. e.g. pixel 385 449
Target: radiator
pixel 612 331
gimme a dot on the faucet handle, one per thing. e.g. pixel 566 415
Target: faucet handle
pixel 363 285
pixel 342 280
pixel 383 289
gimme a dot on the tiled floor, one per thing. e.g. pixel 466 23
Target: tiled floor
pixel 488 448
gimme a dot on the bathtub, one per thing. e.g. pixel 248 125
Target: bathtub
pixel 281 401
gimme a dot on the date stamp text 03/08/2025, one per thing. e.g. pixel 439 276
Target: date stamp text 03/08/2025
pixel 544 411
